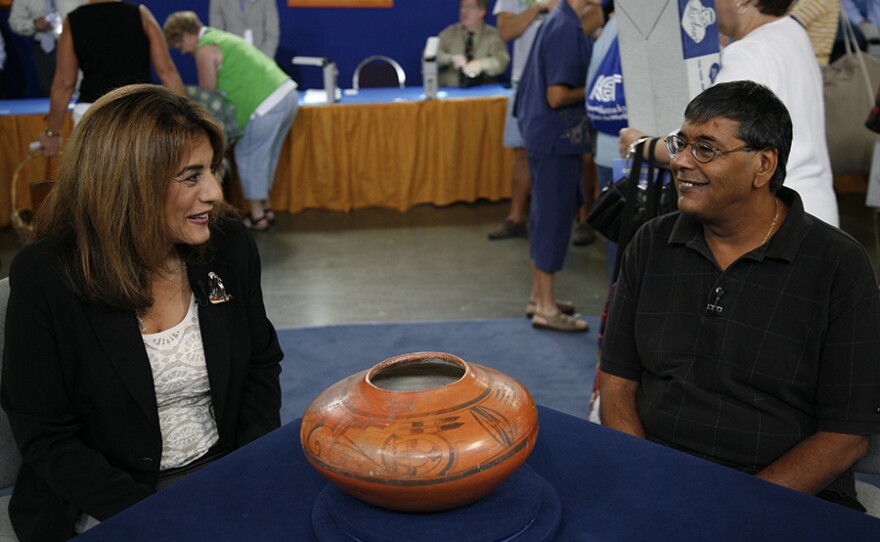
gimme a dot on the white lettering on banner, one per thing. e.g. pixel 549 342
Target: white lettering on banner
pixel 605 88
pixel 608 113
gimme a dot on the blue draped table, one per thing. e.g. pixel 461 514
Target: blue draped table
pixel 613 487
pixel 386 147
pixel 40 106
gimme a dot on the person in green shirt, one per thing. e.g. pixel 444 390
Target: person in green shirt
pixel 265 101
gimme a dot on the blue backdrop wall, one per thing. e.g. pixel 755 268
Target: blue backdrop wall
pixel 345 35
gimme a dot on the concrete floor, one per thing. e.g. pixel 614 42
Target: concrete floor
pixel 429 263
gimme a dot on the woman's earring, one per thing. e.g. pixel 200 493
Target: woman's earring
pixel 742 6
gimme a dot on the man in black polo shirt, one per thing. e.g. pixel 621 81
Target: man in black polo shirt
pixel 744 330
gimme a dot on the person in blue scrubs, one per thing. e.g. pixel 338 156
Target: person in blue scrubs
pixel 553 121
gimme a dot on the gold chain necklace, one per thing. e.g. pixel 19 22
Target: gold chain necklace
pixel 772 224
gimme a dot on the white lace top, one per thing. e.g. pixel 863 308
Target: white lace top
pixel 183 393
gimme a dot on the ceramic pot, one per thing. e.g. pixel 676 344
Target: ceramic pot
pixel 420 432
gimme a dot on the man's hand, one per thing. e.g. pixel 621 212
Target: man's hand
pixel 815 462
pixel 513 25
pixel 617 404
pixel 41 24
pixel 459 61
pixel 628 136
pixel 473 68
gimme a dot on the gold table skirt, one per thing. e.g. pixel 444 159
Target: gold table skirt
pixel 343 157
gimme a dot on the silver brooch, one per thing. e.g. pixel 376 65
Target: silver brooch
pixel 217 293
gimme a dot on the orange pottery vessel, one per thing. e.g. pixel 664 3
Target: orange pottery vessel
pixel 420 432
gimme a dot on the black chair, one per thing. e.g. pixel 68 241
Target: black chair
pixel 10 459
pixel 378 71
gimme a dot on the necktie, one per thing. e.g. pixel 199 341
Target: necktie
pixel 469 47
pixel 47 38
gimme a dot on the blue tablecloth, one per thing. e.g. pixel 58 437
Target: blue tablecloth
pixel 612 487
pixel 40 106
pixel 410 94
pixel 28 106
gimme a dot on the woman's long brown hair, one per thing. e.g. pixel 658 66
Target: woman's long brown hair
pixel 107 205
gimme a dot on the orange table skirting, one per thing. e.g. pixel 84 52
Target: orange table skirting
pixel 343 157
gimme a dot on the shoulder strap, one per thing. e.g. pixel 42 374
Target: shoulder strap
pixel 655 183
pixel 630 206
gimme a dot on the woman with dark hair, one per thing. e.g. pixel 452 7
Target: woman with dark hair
pixel 137 343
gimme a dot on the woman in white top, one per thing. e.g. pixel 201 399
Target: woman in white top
pixel 137 343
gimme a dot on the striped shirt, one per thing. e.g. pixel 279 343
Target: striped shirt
pixel 820 19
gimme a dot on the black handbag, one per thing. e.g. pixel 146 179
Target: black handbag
pixel 624 205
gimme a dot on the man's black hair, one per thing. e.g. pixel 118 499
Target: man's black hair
pixel 764 122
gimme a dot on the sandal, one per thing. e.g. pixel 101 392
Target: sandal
pixel 560 322
pixel 566 307
pixel 255 224
pixel 270 215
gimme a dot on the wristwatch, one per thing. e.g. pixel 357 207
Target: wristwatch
pixel 631 150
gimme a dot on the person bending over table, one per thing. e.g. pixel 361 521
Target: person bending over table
pixel 137 344
pixel 470 51
pixel 113 43
pixel 264 97
pixel 744 330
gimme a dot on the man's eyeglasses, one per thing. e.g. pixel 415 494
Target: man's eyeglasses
pixel 702 151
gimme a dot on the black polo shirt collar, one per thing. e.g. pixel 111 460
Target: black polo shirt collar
pixel 784 245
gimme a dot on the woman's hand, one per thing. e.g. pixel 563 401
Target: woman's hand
pixel 51 144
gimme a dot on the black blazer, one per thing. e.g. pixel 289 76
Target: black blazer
pixel 78 388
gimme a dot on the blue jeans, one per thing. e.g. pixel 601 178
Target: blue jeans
pixel 256 153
